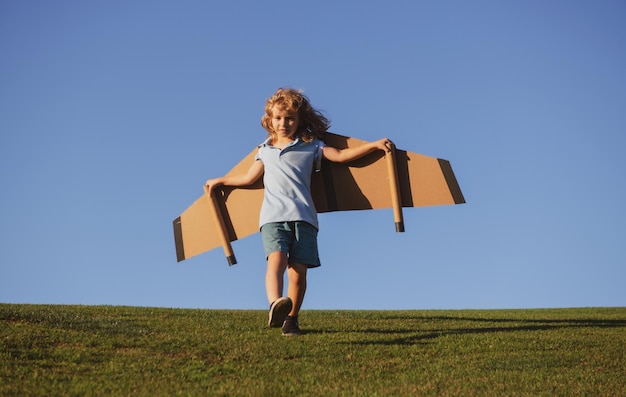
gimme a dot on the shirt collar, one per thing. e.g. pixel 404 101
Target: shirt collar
pixel 266 143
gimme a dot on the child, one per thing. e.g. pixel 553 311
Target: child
pixel 288 218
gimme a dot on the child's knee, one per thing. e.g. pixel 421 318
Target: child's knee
pixel 298 268
pixel 277 260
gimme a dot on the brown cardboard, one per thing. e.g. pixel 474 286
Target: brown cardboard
pixel 215 205
pixel 394 188
pixel 367 183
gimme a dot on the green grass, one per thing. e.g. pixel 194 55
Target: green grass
pixel 51 350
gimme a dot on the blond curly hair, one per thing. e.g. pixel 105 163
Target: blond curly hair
pixel 312 124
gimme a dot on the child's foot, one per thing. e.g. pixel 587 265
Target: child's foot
pixel 290 326
pixel 279 309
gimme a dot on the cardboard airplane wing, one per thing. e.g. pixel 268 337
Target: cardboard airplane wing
pixel 378 180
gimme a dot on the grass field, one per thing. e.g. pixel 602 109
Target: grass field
pixel 51 350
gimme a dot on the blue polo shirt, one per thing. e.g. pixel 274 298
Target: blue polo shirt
pixel 287 180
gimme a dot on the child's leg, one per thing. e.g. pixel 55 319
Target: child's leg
pixel 276 266
pixel 297 286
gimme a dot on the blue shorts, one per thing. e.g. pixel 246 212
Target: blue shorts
pixel 297 239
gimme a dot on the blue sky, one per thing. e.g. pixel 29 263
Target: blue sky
pixel 113 114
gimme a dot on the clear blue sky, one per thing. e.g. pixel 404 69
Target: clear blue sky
pixel 114 113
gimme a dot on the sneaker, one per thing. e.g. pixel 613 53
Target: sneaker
pixel 279 309
pixel 290 327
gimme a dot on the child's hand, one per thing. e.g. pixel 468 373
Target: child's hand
pixel 384 144
pixel 213 183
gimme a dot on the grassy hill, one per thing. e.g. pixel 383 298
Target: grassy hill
pixel 52 350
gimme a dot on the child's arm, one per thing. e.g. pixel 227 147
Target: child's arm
pixel 346 155
pixel 254 172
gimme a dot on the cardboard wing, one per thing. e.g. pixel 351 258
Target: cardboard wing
pixel 379 180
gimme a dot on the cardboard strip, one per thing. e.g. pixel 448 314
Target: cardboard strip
pixel 394 187
pixel 329 189
pixel 220 226
pixel 453 184
pixel 178 240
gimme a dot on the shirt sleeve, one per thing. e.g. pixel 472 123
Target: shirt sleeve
pixel 257 157
pixel 319 154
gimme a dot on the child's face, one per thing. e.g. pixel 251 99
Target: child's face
pixel 284 122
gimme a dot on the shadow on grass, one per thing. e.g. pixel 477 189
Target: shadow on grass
pixel 417 336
